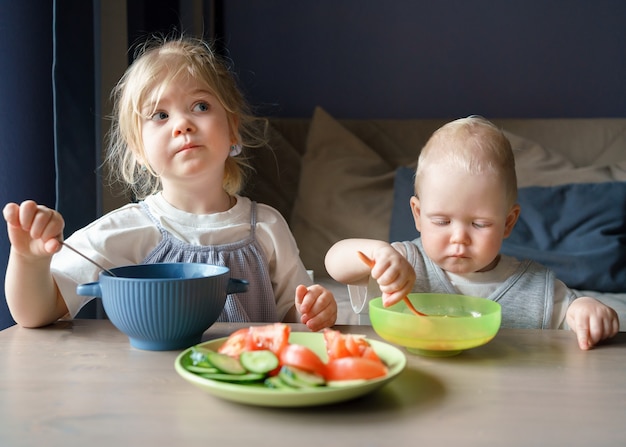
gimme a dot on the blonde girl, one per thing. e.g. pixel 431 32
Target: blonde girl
pixel 179 126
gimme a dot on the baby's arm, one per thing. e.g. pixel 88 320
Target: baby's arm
pixel 35 232
pixel 592 321
pixel 343 264
pixel 317 306
pixel 394 274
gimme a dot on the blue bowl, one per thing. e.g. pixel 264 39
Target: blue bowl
pixel 164 306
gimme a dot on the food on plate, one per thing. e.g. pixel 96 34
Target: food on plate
pixel 354 368
pixel 264 355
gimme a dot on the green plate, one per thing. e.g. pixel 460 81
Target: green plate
pixel 263 396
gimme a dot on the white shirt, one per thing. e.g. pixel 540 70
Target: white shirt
pixel 126 236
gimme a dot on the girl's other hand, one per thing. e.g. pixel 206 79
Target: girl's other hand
pixel 317 307
pixel 34 230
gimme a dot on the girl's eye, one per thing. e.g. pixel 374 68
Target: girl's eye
pixel 480 225
pixel 159 116
pixel 201 107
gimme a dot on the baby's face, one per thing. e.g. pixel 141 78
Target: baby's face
pixel 462 218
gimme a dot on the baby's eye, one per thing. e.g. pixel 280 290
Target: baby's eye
pixel 159 116
pixel 440 222
pixel 481 224
pixel 201 107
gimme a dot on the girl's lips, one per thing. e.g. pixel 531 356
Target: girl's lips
pixel 187 147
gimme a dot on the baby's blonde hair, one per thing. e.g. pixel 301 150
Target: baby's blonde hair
pixel 157 63
pixel 475 145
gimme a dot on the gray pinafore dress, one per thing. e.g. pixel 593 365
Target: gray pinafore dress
pixel 527 296
pixel 245 259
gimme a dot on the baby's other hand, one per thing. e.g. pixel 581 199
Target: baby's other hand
pixel 34 230
pixel 393 273
pixel 317 307
pixel 592 321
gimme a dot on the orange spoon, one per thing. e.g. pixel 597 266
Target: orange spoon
pixel 370 263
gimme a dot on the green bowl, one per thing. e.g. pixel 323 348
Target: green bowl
pixel 454 323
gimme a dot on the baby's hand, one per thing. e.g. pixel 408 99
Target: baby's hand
pixel 34 230
pixel 394 274
pixel 592 321
pixel 317 307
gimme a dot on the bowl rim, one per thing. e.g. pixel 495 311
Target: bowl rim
pixel 376 304
pixel 220 271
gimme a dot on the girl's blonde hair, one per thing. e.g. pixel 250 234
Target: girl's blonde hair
pixel 157 63
pixel 475 145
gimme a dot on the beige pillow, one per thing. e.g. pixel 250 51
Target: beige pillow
pixel 275 177
pixel 536 165
pixel 346 183
pixel 346 190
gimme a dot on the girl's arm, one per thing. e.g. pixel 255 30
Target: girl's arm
pixel 35 232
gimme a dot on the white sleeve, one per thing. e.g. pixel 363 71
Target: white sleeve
pixel 121 237
pixel 286 268
pixel 563 297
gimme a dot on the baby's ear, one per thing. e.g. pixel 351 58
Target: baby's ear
pixel 417 212
pixel 511 219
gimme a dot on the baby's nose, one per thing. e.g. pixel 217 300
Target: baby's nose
pixel 459 235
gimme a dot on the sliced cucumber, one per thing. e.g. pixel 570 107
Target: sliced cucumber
pixel 262 361
pixel 225 363
pixel 198 357
pixel 275 382
pixel 198 369
pixel 235 378
pixel 298 378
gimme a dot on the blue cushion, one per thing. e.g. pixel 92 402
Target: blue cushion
pixel 577 230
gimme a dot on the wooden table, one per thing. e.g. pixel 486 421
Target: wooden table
pixel 80 383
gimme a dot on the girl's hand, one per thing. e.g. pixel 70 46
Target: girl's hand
pixel 34 230
pixel 592 321
pixel 317 307
pixel 394 274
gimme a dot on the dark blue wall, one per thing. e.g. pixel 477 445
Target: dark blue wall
pixel 424 58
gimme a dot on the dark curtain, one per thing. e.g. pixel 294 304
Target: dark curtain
pixel 49 121
pixel 47 114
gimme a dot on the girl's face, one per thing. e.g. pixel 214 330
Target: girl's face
pixel 187 136
pixel 462 218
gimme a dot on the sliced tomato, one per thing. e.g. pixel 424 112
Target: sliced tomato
pixel 303 358
pixel 356 344
pixel 339 345
pixel 335 344
pixel 369 353
pixel 271 336
pixel 235 344
pixel 353 368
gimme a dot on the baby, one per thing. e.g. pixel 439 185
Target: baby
pixel 465 204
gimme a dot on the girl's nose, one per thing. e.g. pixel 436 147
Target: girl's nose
pixel 182 126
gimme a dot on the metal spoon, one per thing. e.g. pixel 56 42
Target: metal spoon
pixel 370 263
pixel 87 258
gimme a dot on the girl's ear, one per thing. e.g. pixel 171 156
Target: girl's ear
pixel 511 219
pixel 417 212
pixel 235 138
